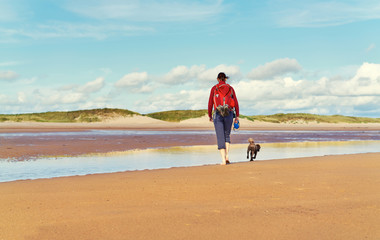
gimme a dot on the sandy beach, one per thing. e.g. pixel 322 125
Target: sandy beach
pixel 109 111
pixel 329 197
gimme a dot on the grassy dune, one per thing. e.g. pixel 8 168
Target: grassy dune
pixel 177 115
pixel 94 115
pixel 98 115
pixel 306 117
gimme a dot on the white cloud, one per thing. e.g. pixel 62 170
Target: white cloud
pixel 211 74
pixel 183 74
pixel 368 70
pixel 71 98
pixel 68 87
pixel 49 97
pixel 21 97
pixel 290 83
pixel 88 88
pixel 365 82
pixel 275 68
pixel 93 86
pixel 8 75
pixel 132 79
pixel 136 82
pixel 179 74
pixel 144 89
pixel 357 95
pixel 185 99
pixel 149 10
pixel 281 95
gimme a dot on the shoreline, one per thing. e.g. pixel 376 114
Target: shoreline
pixel 328 197
pixel 206 155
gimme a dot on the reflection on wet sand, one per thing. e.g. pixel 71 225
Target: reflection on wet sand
pixel 57 166
pixel 25 145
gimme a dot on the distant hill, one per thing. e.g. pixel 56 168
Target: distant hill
pixel 98 115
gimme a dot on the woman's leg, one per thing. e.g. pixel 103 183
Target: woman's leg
pixel 227 132
pixel 227 150
pixel 223 127
pixel 219 130
pixel 223 155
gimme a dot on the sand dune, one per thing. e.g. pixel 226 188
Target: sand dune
pixel 143 122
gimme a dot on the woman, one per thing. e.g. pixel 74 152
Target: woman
pixel 224 103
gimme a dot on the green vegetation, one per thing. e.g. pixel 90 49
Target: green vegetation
pixel 177 115
pixel 94 115
pixel 306 117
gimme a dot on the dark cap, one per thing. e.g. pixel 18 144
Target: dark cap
pixel 222 76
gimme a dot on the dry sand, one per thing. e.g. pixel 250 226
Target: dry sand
pixel 330 197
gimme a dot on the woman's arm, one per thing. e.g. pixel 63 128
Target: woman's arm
pixel 211 103
pixel 236 104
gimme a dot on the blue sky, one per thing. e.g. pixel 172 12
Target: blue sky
pixel 317 57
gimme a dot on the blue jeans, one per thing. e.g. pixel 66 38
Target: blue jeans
pixel 223 127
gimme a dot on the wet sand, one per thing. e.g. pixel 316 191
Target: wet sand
pixel 29 146
pixel 330 197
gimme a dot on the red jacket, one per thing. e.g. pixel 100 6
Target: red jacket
pixel 211 100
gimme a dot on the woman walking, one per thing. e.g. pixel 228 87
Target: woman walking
pixel 224 104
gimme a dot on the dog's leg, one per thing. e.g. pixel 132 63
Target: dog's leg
pixel 257 148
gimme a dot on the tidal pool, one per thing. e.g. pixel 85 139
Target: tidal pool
pixel 59 166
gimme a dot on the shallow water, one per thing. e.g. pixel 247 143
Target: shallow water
pixel 169 157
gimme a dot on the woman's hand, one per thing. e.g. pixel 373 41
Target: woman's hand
pixel 211 119
pixel 236 119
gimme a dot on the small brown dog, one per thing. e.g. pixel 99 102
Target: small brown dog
pixel 252 149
